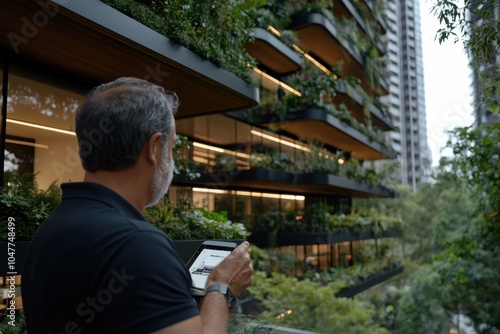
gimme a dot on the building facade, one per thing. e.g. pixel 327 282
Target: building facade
pixel 287 164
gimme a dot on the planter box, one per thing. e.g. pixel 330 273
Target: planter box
pixel 312 123
pixel 274 179
pixel 370 282
pixel 266 239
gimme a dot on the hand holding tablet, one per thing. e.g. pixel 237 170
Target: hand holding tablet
pixel 205 259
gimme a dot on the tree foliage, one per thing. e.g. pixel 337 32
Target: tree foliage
pixel 462 276
pixel 308 305
pixel 476 23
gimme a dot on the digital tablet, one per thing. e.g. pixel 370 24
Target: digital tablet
pixel 205 259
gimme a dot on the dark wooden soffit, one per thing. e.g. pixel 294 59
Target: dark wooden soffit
pixel 319 36
pixel 91 40
pixel 273 53
pixel 317 125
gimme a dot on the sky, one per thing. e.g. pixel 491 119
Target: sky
pixel 447 79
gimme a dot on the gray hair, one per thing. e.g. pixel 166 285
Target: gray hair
pixel 117 119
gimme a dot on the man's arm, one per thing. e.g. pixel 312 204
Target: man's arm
pixel 236 271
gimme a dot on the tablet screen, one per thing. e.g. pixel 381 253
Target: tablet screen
pixel 204 264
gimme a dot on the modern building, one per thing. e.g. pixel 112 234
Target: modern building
pixel 271 162
pixel 482 113
pixel 407 97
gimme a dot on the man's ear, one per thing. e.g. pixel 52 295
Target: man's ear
pixel 153 148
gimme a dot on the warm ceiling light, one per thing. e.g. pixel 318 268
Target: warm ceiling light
pixel 204 154
pixel 200 160
pixel 251 193
pixel 42 127
pixel 269 195
pixel 314 61
pixel 219 150
pixel 208 147
pixel 276 81
pixel 281 141
pixel 274 30
pixel 207 190
pixel 26 143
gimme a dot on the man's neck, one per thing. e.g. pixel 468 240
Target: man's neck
pixel 125 183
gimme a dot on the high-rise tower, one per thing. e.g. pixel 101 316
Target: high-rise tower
pixel 406 99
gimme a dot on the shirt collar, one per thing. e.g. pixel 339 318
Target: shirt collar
pixel 98 192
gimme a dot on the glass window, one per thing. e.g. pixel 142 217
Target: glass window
pixel 40 134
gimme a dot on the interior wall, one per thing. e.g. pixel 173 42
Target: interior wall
pixel 59 162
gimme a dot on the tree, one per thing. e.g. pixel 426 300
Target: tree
pixel 306 304
pixel 463 276
pixel 476 23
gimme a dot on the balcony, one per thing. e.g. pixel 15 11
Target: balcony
pixel 319 35
pixel 371 281
pixel 265 179
pixel 267 239
pixel 355 102
pixel 347 9
pixel 314 124
pixel 273 54
pixel 121 46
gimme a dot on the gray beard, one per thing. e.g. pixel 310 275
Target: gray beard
pixel 160 184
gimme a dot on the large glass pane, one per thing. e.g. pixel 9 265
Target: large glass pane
pixel 40 130
pixel 1 114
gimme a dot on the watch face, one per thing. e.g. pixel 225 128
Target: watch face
pixel 231 299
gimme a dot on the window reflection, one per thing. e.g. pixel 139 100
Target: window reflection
pixel 40 124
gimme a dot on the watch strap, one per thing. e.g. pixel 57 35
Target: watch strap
pixel 224 289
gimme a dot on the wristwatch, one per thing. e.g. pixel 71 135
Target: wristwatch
pixel 224 289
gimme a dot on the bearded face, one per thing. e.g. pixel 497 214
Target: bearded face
pixel 164 174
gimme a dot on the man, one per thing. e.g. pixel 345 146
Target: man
pixel 96 265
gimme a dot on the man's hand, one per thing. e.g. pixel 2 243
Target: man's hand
pixel 235 270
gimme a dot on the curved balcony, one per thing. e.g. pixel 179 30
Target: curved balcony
pixel 347 9
pixel 95 42
pixel 356 104
pixel 273 54
pixel 267 239
pixel 314 124
pixel 371 281
pixel 264 179
pixel 319 35
pixel 380 20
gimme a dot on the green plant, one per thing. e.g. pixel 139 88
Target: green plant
pixel 308 305
pixel 225 162
pixel 21 199
pixel 215 30
pixel 183 221
pixel 16 326
pixel 320 217
pixel 317 216
pixel 353 275
pixel 318 90
pixel 181 156
pixel 246 324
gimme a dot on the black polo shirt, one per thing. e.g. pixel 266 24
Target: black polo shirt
pixel 97 266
